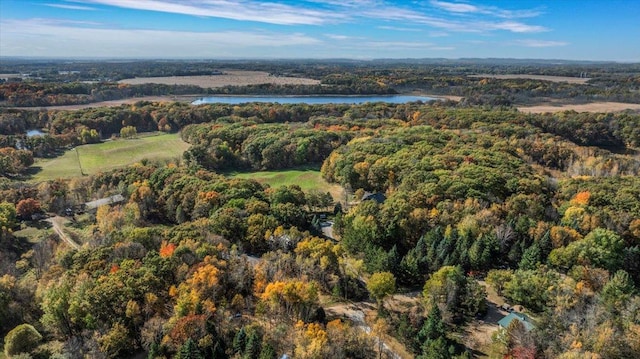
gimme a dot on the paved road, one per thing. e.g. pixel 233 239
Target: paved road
pixel 58 224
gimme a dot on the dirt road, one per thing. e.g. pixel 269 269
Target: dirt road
pixel 58 224
pixel 357 314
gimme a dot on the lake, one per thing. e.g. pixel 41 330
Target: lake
pixel 312 100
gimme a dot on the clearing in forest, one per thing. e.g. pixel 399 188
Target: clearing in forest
pixel 108 155
pixel 308 178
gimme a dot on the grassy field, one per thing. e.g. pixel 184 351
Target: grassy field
pixel 307 178
pixel 571 80
pixel 109 155
pixel 586 107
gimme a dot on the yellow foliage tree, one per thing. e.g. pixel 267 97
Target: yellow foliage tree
pixel 310 340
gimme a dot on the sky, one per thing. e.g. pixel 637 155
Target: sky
pixel 597 30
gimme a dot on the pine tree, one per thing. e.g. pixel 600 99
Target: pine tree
pixel 252 349
pixel 267 352
pixel 240 341
pixel 189 350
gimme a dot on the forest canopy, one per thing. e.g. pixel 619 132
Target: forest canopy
pixel 443 207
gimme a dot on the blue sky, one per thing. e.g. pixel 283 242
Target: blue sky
pixel 358 29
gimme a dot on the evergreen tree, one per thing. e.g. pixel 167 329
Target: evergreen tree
pixel 189 350
pixel 530 258
pixel 433 326
pixel 267 352
pixel 252 349
pixel 240 341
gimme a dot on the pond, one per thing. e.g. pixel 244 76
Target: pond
pixel 312 100
pixel 33 133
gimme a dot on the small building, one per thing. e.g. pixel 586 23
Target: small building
pixel 378 197
pixel 93 205
pixel 526 321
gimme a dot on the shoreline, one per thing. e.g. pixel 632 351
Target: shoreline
pixel 194 97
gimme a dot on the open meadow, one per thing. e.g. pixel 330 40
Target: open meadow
pixel 307 178
pixel 109 155
pixel 594 107
pixel 567 79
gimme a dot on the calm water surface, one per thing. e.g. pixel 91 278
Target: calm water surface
pixel 312 100
pixel 32 133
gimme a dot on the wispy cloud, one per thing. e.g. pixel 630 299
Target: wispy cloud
pixel 540 43
pixel 398 44
pixel 71 7
pixel 454 25
pixel 465 8
pixel 438 34
pixel 338 37
pixel 396 28
pixel 43 37
pixel 515 26
pixel 243 10
pixel 315 12
pixel 455 7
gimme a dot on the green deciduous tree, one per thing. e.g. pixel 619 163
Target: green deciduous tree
pixel 380 285
pixel 21 339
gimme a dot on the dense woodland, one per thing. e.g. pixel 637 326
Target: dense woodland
pixel 194 264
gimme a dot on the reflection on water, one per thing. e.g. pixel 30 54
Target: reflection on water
pixel 32 133
pixel 312 100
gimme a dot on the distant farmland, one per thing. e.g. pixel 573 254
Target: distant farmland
pixel 109 155
pixel 586 107
pixel 227 78
pixel 571 80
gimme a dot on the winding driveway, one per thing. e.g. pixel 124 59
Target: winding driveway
pixel 58 226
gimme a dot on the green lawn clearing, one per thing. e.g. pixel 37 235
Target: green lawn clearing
pixel 109 155
pixel 307 178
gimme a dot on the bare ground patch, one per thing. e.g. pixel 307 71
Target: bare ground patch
pixel 228 78
pixel 478 333
pixel 587 107
pixel 571 80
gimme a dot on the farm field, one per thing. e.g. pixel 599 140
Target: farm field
pixel 228 78
pixel 307 178
pixel 587 107
pixel 571 80
pixel 109 155
pixel 114 103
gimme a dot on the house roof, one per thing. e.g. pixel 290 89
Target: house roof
pixel 104 201
pixel 378 197
pixel 526 321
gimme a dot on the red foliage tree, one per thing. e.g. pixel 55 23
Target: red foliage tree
pixel 28 207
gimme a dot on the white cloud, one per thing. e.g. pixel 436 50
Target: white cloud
pixel 243 10
pixel 465 8
pixel 465 25
pixel 455 7
pixel 71 7
pixel 514 26
pixel 42 37
pixel 540 43
pixel 396 28
pixel 338 37
pixel 333 11
pixel 438 34
pixel 398 44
